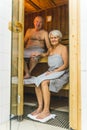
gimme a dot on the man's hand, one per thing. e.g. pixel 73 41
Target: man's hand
pixel 34 54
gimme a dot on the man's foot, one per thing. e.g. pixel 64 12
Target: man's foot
pixel 27 76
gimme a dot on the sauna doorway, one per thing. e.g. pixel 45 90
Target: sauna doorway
pixel 64 23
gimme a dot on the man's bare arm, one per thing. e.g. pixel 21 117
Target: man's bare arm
pixel 26 38
pixel 47 41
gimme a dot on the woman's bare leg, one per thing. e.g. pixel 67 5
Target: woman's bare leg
pixel 46 98
pixel 39 99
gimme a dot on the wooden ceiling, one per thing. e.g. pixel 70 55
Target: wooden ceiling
pixel 31 6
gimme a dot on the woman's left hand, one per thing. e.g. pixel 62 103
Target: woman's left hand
pixel 49 72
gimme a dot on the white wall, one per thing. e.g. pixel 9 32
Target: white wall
pixel 5 59
pixel 83 9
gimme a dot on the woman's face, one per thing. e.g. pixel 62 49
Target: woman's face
pixel 54 40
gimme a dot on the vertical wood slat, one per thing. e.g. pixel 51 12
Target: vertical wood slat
pixel 79 72
pixel 74 65
pixel 66 21
pixel 63 19
pixel 14 65
pixel 20 58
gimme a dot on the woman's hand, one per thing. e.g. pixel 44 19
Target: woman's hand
pixel 49 72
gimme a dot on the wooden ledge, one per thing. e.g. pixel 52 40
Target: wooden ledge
pixel 66 86
pixel 43 60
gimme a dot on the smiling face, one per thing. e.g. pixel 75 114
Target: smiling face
pixel 54 40
pixel 38 23
pixel 55 37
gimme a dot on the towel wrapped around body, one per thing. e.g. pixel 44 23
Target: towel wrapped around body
pixel 57 79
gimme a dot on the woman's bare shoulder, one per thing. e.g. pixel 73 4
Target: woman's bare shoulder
pixel 64 46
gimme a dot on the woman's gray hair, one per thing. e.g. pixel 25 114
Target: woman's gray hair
pixel 55 33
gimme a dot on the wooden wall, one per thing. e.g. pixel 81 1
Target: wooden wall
pixel 60 20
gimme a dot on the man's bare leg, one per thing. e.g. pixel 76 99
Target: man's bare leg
pixel 27 75
pixel 32 64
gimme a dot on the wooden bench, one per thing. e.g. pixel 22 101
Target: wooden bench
pixel 65 87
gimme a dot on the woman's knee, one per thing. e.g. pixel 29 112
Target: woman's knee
pixel 45 83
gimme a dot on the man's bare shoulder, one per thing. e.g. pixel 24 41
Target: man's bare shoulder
pixel 44 32
pixel 30 29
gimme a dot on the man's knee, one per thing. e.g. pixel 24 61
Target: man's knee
pixel 34 59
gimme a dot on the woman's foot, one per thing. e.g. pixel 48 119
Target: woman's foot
pixel 43 115
pixel 36 112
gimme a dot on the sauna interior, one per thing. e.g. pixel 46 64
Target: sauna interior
pixel 56 16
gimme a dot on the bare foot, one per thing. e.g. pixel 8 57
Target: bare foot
pixel 42 115
pixel 27 76
pixel 36 112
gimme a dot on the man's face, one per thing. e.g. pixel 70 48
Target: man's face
pixel 38 23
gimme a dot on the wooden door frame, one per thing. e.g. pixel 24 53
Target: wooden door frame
pixel 21 63
pixel 75 85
